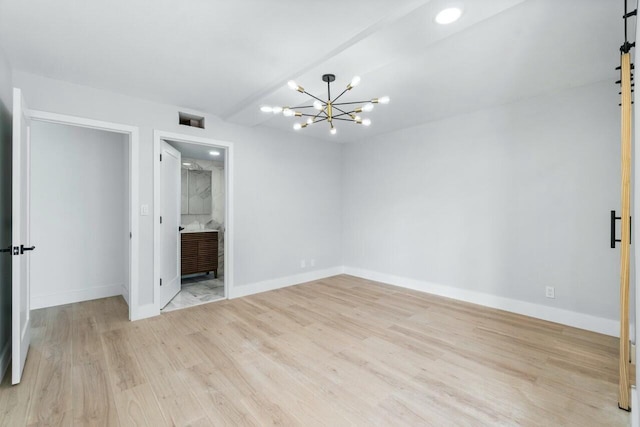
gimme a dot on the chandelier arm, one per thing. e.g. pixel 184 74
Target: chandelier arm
pixel 313 96
pixel 318 121
pixel 344 120
pixel 304 106
pixel 350 103
pixel 321 112
pixel 311 115
pixel 341 110
pixel 345 114
pixel 338 97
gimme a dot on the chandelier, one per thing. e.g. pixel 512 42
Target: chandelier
pixel 328 110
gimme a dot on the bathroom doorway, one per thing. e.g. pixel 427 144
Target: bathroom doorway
pixel 193 225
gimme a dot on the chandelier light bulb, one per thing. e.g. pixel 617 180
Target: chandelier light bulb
pixel 287 112
pixel 317 105
pixel 309 121
pixel 276 110
pixel 333 131
pixel 367 107
pixel 297 126
pixel 354 82
pixel 357 119
pixel 266 109
pixel 292 85
pixel 384 100
pixel 366 122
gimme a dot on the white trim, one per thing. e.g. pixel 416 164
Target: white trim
pixel 283 282
pixel 124 291
pixel 145 311
pixel 76 295
pixel 159 135
pixel 5 358
pixel 134 179
pixel 552 314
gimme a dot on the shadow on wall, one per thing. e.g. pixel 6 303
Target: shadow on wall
pixel 5 226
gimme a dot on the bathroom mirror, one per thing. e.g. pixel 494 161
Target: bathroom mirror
pixel 199 196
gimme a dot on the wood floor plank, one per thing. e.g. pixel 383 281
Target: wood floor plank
pixel 338 351
pixel 92 396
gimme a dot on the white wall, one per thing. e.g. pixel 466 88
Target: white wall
pixel 503 201
pixel 287 187
pixel 79 197
pixel 6 100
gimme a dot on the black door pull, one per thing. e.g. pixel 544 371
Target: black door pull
pixel 614 218
pixel 180 228
pixel 5 250
pixel 23 249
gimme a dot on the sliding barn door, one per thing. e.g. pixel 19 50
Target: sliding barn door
pixel 625 237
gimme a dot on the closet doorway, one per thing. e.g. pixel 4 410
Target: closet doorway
pixel 84 193
pixel 192 233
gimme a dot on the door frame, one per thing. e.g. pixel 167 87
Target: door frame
pixel 158 136
pixel 133 134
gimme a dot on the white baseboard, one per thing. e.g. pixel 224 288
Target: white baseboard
pixel 68 297
pixel 635 414
pixel 144 311
pixel 5 358
pixel 283 282
pixel 552 314
pixel 125 293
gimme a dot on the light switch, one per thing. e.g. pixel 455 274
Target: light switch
pixel 144 210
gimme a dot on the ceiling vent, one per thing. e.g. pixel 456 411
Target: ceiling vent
pixel 186 119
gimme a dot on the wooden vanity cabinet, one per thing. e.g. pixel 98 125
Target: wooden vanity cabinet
pixel 200 253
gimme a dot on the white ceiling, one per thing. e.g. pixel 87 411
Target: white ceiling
pixel 230 57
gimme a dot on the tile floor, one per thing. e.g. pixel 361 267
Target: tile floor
pixel 197 290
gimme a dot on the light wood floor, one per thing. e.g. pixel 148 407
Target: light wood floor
pixel 340 351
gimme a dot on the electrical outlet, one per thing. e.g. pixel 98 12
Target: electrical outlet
pixel 303 263
pixel 550 292
pixel 312 263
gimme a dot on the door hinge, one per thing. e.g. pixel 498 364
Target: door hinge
pixel 160 157
pixel 160 282
pixel 160 219
pixel 16 250
pixel 130 235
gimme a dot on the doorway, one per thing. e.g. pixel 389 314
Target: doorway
pixel 114 208
pixel 193 229
pixel 23 247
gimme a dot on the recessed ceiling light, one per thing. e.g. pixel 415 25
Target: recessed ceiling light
pixel 449 15
pixel 186 164
pixel 214 153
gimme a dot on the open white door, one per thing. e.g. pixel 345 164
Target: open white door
pixel 21 221
pixel 169 223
